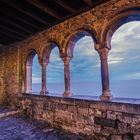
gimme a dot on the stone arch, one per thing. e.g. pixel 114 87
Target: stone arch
pixel 28 61
pixel 45 53
pixel 25 58
pixel 30 55
pixel 122 17
pixel 72 39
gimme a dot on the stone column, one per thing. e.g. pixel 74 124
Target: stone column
pixel 28 78
pixel 106 96
pixel 44 88
pixel 66 61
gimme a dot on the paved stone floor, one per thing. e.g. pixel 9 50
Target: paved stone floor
pixel 20 128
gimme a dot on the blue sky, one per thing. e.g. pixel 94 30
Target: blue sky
pixel 123 59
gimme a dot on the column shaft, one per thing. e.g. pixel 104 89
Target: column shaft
pixel 28 78
pixel 66 61
pixel 44 87
pixel 106 96
pixel 104 74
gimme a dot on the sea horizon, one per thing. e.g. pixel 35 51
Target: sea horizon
pixel 122 89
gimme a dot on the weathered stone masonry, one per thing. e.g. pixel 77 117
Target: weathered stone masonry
pixel 1 76
pixel 101 120
pixel 100 22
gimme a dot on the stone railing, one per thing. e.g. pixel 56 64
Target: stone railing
pixel 101 120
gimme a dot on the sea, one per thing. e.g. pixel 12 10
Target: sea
pixel 122 89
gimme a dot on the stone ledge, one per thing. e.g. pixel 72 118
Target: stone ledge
pixel 9 113
pixel 112 105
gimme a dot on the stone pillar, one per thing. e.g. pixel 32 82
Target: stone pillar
pixel 66 61
pixel 28 78
pixel 106 96
pixel 44 88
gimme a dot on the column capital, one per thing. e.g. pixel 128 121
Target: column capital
pixel 100 45
pixel 103 53
pixel 66 60
pixel 44 62
pixel 29 64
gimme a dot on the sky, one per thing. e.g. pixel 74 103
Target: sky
pixel 125 53
pixel 124 59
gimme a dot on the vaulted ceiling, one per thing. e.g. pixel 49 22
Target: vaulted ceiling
pixel 20 19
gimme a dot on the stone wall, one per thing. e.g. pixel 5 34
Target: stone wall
pixel 11 74
pixel 100 120
pixel 2 76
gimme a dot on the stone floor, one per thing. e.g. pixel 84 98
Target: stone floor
pixel 18 127
pixel 6 109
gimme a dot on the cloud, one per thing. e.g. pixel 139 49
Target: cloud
pixel 135 75
pixel 114 59
pixel 125 34
pixel 125 53
pixel 85 47
pixel 36 80
pixel 34 74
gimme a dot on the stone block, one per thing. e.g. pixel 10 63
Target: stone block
pixel 72 108
pixel 91 111
pixel 97 129
pixel 90 120
pixel 136 137
pixel 105 122
pixel 98 113
pixel 127 136
pixel 46 105
pixel 101 138
pixel 114 115
pixel 62 107
pixel 82 111
pixel 116 137
pixel 53 106
pixel 122 127
pixel 106 131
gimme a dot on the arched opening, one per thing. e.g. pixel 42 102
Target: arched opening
pixel 55 72
pixel 84 65
pixel 124 58
pixel 31 69
pixel 36 76
pixel 116 23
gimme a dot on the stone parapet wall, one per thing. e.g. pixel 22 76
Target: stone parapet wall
pixel 101 120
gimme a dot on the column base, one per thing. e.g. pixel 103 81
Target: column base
pixel 106 96
pixel 44 92
pixel 29 91
pixel 67 94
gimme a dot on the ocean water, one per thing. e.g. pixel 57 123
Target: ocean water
pixel 123 89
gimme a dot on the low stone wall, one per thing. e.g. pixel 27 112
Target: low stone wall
pixel 101 120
